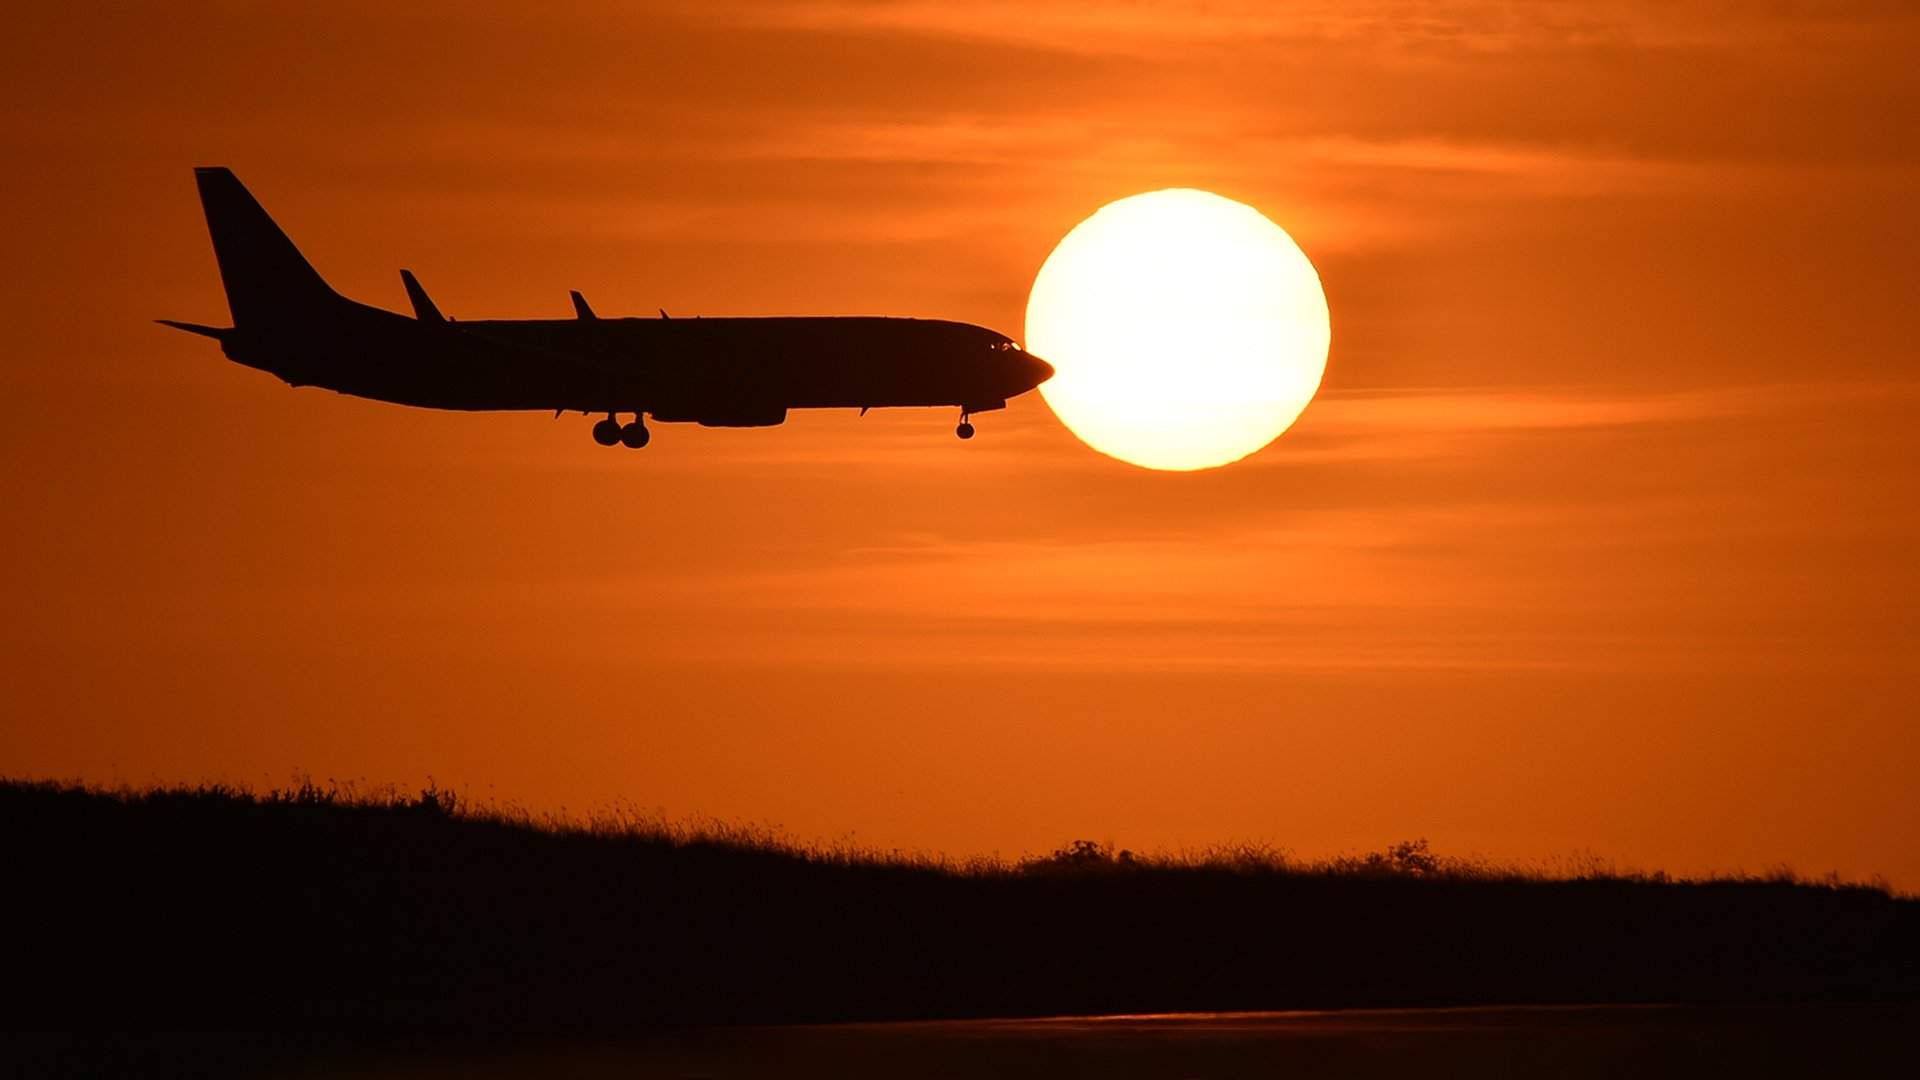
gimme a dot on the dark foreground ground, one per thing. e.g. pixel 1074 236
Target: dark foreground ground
pixel 213 910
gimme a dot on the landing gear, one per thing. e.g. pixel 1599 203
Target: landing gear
pixel 611 431
pixel 965 430
pixel 607 432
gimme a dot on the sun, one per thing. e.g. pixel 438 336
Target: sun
pixel 1186 330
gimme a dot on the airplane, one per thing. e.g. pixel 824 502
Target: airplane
pixel 717 372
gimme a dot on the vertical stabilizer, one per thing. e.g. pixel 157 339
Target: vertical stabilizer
pixel 266 277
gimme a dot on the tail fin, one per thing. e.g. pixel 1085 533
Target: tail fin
pixel 266 277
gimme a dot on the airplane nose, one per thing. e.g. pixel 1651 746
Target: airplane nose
pixel 1039 369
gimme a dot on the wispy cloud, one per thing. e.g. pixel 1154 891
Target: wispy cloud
pixel 1148 27
pixel 1437 424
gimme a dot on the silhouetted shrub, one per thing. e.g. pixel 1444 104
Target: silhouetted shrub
pixel 1081 856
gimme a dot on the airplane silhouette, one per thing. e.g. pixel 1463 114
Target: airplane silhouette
pixel 720 372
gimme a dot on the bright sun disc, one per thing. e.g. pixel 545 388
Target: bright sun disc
pixel 1186 330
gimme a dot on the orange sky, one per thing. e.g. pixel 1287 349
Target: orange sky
pixel 1600 536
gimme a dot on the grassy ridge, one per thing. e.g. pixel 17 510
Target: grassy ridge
pixel 213 907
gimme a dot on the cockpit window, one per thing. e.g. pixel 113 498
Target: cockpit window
pixel 1008 346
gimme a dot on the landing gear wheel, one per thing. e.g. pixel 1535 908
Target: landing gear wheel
pixel 607 432
pixel 965 430
pixel 635 435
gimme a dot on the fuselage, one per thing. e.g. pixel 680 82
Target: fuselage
pixel 721 371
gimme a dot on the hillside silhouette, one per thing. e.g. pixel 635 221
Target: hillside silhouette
pixel 211 907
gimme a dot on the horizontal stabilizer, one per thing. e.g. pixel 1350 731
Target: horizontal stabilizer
pixel 580 307
pixel 423 308
pixel 213 332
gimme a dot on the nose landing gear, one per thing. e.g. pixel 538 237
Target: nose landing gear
pixel 633 435
pixel 965 430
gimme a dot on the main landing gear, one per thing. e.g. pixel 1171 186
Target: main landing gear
pixel 632 435
pixel 965 430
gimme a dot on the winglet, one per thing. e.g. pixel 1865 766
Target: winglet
pixel 423 308
pixel 580 307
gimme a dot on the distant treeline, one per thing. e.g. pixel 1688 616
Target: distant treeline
pixel 216 908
